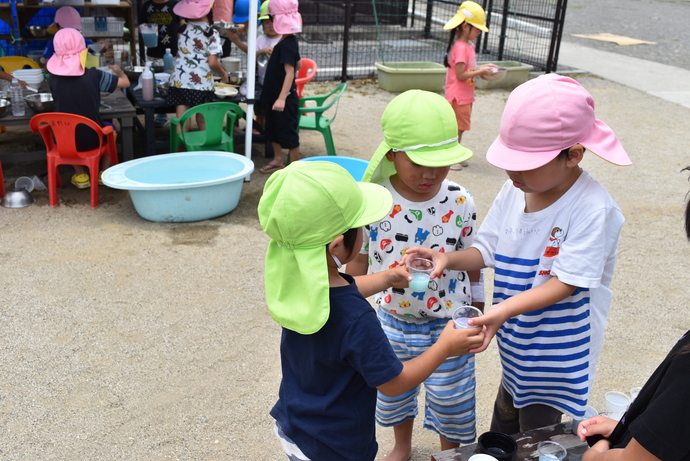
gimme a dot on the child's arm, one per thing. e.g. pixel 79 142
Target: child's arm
pixel 234 38
pixel 214 64
pixel 451 343
pixel 279 105
pixel 122 79
pixel 461 74
pixel 469 259
pixel 546 294
pixel 371 284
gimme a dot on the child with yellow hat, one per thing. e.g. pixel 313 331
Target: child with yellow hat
pixel 334 354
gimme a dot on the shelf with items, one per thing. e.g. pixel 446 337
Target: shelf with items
pixel 112 16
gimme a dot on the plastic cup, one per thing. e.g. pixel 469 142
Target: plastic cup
pixel 482 457
pixel 38 184
pixel 590 412
pixel 551 451
pixel 149 33
pixel 633 393
pixel 24 182
pixel 420 269
pixel 616 403
pixel 463 313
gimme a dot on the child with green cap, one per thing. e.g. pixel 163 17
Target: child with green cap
pixel 334 353
pixel 420 145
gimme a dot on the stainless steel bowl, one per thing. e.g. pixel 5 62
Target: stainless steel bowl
pixel 40 102
pixel 4 107
pixel 236 78
pixel 262 59
pixel 163 88
pixel 17 198
pixel 37 31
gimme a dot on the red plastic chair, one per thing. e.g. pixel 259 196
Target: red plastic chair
pixel 305 74
pixel 58 132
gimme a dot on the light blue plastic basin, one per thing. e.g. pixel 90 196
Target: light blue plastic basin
pixel 182 187
pixel 355 166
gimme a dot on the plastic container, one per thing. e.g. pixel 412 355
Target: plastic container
pixel 168 61
pixel 147 83
pixel 403 76
pixel 102 26
pixel 516 74
pixel 355 166
pixel 17 99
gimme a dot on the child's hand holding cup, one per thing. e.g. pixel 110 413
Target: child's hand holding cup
pixel 462 314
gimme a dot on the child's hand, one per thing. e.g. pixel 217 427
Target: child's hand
pixel 598 425
pixel 460 341
pixel 224 78
pixel 398 277
pixel 440 259
pixel 279 105
pixel 492 320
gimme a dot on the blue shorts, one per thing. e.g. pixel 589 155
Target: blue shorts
pixel 450 390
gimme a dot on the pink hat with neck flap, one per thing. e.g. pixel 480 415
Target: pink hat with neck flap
pixel 546 115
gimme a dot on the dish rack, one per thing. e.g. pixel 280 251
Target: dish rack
pixel 102 26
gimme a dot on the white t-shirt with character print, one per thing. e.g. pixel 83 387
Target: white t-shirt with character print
pixel 444 223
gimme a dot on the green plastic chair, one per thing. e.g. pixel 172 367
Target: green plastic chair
pixel 215 137
pixel 313 118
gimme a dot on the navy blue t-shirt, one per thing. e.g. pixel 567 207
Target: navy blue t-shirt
pixel 327 397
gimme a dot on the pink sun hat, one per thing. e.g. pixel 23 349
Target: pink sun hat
pixel 546 115
pixel 67 17
pixel 69 58
pixel 286 18
pixel 193 9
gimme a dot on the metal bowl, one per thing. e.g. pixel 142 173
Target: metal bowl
pixel 37 31
pixel 40 102
pixel 236 77
pixel 4 105
pixel 163 88
pixel 17 198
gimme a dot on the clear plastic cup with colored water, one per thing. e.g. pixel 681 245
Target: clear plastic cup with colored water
pixel 463 313
pixel 420 269
pixel 551 451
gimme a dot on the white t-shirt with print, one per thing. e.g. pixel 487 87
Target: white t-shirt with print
pixel 444 223
pixel 192 70
pixel 549 355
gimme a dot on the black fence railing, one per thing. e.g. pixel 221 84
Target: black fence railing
pixel 346 37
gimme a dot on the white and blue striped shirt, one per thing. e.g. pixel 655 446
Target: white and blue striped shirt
pixel 549 355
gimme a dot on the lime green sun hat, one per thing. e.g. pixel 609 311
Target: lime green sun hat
pixel 304 207
pixel 263 11
pixel 423 125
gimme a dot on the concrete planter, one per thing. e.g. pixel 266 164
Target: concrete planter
pixel 403 76
pixel 516 75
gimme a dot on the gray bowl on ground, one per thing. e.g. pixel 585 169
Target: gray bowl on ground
pixel 4 107
pixel 17 198
pixel 40 102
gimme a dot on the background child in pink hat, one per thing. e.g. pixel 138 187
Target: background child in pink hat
pixel 279 93
pixel 551 236
pixel 77 90
pixel 65 17
pixel 198 51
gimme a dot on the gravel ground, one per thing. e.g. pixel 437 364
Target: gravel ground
pixel 126 339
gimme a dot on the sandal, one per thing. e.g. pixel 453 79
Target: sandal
pixel 270 168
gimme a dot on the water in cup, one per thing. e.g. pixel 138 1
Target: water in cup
pixel 420 269
pixel 149 33
pixel 551 451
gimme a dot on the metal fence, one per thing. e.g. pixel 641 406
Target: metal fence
pixel 345 38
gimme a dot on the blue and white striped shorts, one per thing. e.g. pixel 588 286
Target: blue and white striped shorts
pixel 450 390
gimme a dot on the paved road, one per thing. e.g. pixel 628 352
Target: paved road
pixel 662 21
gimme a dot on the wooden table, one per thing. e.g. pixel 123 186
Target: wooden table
pixel 527 445
pixel 113 106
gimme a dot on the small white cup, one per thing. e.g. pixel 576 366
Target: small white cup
pixel 482 457
pixel 616 402
pixel 633 393
pixel 463 313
